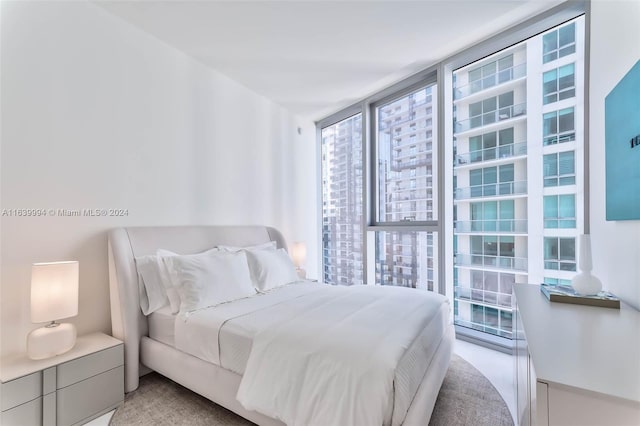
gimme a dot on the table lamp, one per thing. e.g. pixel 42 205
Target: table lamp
pixel 54 296
pixel 299 255
pixel 585 283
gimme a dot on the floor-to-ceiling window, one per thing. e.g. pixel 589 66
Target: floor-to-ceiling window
pixel 497 132
pixel 404 175
pixel 399 244
pixel 517 211
pixel 342 185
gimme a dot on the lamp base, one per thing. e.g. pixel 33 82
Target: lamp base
pixel 302 274
pixel 52 340
pixel 586 284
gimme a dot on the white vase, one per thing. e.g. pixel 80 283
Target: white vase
pixel 584 283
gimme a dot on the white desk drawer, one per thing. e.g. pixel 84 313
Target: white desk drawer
pixel 85 398
pixel 29 414
pixel 21 390
pixel 82 368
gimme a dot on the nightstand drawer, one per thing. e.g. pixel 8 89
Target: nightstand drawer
pixel 69 389
pixel 91 396
pixel 82 368
pixel 21 390
pixel 23 415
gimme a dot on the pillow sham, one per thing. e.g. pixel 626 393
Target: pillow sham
pixel 168 281
pixel 151 289
pixel 209 279
pixel 271 268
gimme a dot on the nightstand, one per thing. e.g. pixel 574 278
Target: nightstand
pixel 68 389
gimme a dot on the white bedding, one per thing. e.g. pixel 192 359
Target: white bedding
pixel 162 325
pixel 198 333
pixel 289 309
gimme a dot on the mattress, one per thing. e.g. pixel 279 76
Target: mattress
pixel 236 330
pixel 162 326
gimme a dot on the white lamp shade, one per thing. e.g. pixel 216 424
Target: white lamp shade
pixel 54 291
pixel 299 254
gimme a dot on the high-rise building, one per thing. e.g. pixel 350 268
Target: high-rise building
pixel 405 137
pixel 518 187
pixel 405 193
pixel 342 240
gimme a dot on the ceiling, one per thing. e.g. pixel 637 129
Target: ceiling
pixel 316 57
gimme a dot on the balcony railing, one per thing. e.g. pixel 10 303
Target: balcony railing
pixel 404 154
pixel 491 190
pixel 496 225
pixel 490 117
pixel 407 215
pixel 422 133
pixel 559 222
pixel 411 196
pixel 500 262
pixel 560 265
pixel 488 154
pixel 560 138
pixel 492 80
pixel 396 166
pixel 389 111
pixel 486 297
pixel 401 118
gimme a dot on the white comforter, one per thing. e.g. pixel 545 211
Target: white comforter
pixel 334 363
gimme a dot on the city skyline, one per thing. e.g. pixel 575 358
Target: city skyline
pixel 517 181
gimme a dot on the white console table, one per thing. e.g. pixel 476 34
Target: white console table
pixel 575 365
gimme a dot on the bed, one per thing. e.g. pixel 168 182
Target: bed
pixel 232 365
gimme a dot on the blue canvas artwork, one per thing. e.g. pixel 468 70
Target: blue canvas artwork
pixel 622 147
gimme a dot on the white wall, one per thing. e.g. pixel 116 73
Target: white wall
pixel 98 114
pixel 614 50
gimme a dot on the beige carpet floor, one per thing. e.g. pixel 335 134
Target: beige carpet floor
pixel 466 398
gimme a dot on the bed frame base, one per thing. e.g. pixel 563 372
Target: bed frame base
pixel 221 385
pixel 209 380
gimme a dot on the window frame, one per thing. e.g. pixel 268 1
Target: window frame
pixel 558 91
pixel 374 221
pixel 558 48
pixel 550 139
pixel 428 77
pixel 557 175
pixel 532 27
pixel 558 218
pixel 559 260
pixel 320 126
pixel 441 73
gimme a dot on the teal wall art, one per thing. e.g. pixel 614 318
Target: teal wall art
pixel 622 147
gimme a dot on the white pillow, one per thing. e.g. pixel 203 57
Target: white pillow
pixel 271 268
pixel 167 280
pixel 209 279
pixel 151 288
pixel 271 245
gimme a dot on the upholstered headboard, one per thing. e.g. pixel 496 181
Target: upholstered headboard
pixel 125 244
